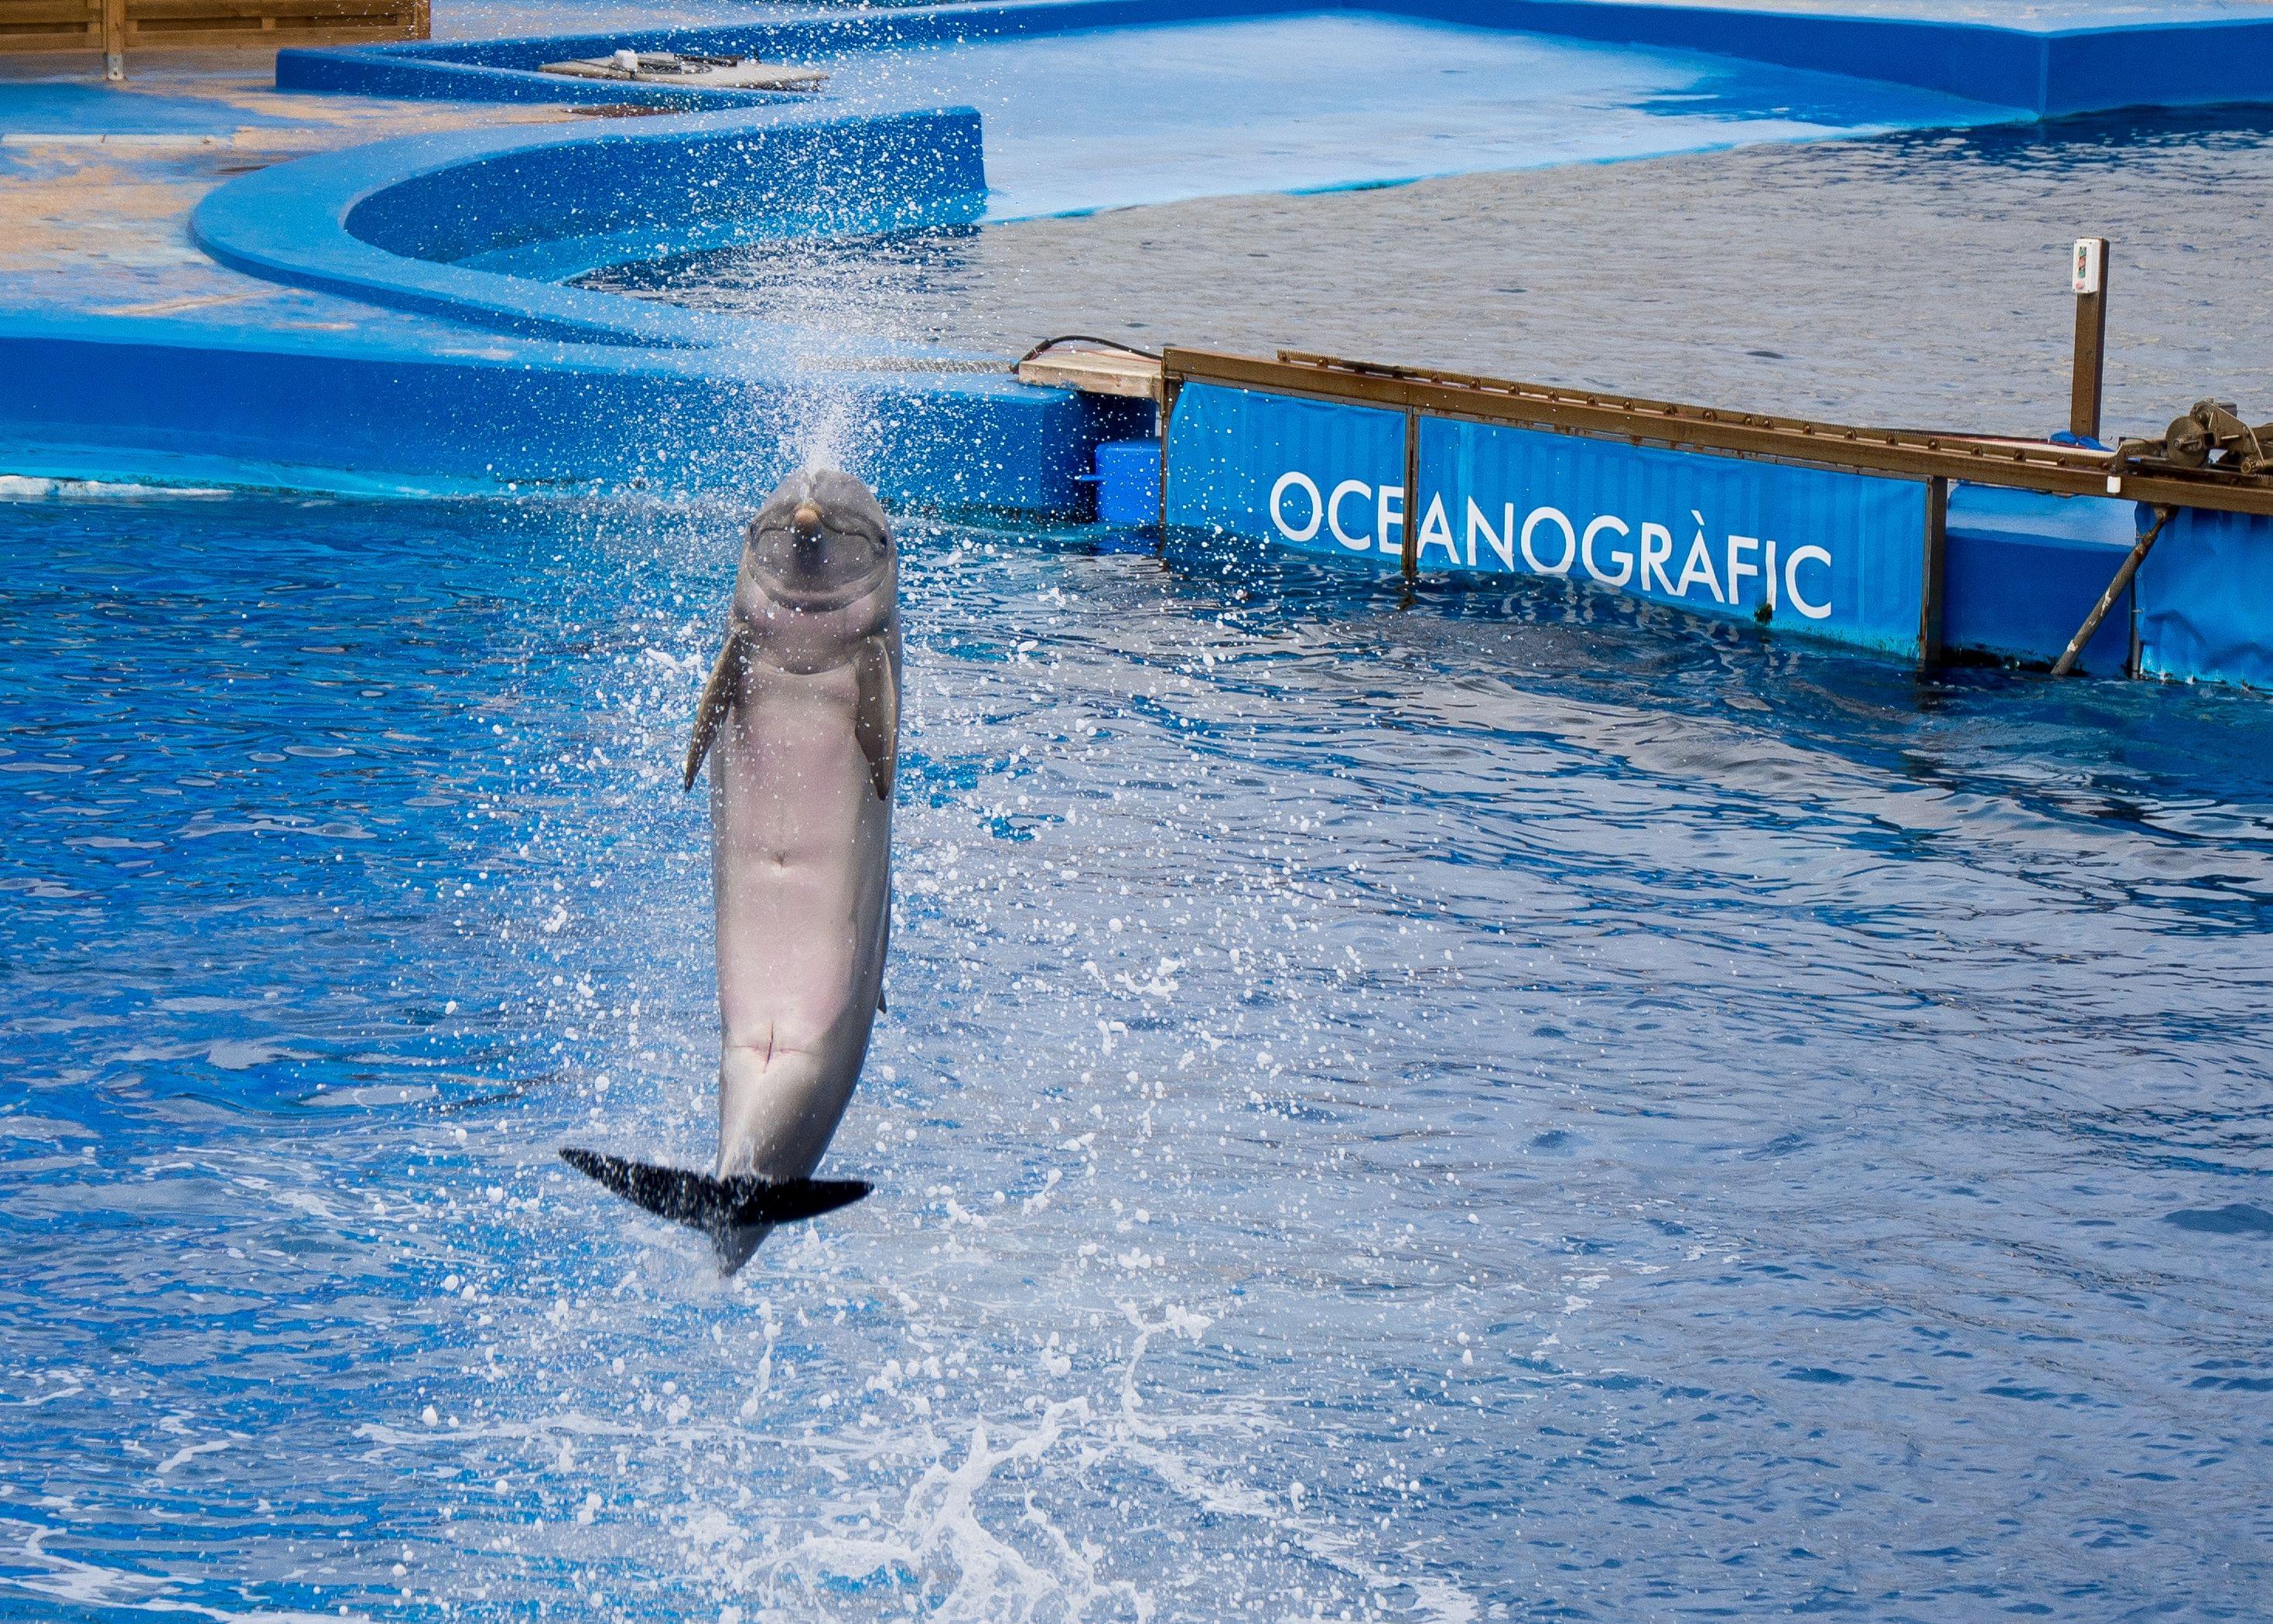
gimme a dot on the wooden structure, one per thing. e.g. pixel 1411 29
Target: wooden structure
pixel 116 26
pixel 1125 373
pixel 2088 377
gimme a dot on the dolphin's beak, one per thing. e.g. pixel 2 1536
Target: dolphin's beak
pixel 805 521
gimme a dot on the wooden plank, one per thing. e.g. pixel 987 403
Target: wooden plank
pixel 292 13
pixel 51 24
pixel 113 26
pixel 253 36
pixel 2090 368
pixel 164 15
pixel 1095 372
pixel 172 32
pixel 49 14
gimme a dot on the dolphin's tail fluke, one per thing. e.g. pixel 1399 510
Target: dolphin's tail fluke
pixel 735 1213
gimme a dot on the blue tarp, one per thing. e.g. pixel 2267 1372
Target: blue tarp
pixel 2206 599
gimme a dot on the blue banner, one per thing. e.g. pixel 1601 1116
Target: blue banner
pixel 1837 554
pixel 2205 597
pixel 1252 464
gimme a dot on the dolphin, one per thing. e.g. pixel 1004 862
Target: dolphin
pixel 800 720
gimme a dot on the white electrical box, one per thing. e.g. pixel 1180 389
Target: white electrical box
pixel 2088 252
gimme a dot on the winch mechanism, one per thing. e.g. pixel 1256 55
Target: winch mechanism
pixel 2210 437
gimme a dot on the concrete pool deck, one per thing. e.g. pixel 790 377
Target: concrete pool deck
pixel 146 356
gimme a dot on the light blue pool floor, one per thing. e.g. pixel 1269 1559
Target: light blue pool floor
pixel 1521 1107
pixel 1151 115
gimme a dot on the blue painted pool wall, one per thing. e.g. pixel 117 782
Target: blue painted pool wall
pixel 2169 64
pixel 842 176
pixel 1998 65
pixel 100 404
pixel 600 387
pixel 382 223
pixel 2047 72
pixel 355 70
pixel 2023 570
pixel 505 70
pixel 2206 599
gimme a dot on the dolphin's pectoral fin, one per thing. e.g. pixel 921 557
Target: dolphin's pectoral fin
pixel 876 723
pixel 883 1008
pixel 710 710
pixel 734 1213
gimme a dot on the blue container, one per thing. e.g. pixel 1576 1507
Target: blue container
pixel 1128 482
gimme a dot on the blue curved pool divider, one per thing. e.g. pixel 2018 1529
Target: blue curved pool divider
pixel 2177 59
pixel 409 405
pixel 455 367
pixel 475 225
pixel 451 78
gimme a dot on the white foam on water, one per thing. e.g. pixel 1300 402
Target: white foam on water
pixel 987 1529
pixel 189 1451
pixel 34 488
pixel 77 1583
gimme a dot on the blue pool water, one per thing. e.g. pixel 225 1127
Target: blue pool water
pixel 1512 1106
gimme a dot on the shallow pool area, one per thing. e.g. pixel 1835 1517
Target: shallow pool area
pixel 1513 1104
pixel 1777 277
pixel 1111 119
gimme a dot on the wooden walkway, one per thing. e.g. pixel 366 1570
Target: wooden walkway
pixel 114 27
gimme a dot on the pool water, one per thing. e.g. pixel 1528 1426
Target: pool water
pixel 1778 277
pixel 1511 1104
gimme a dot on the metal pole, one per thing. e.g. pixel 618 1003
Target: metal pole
pixel 2089 282
pixel 1930 587
pixel 1409 552
pixel 2130 567
pixel 113 40
pixel 1167 407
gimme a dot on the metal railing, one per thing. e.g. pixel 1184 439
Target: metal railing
pixel 2016 464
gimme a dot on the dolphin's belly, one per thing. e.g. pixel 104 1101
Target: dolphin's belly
pixel 799 865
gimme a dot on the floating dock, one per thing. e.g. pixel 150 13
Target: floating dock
pixel 1936 547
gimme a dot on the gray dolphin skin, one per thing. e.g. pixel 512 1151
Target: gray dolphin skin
pixel 799 721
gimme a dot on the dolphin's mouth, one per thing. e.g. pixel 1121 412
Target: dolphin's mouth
pixel 787 593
